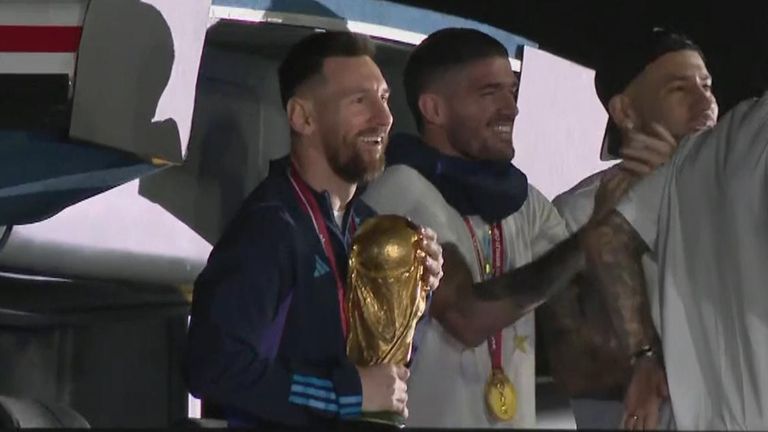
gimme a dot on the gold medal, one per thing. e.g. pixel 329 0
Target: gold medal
pixel 500 396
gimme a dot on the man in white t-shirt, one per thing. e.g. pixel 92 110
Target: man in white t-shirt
pixel 475 366
pixel 656 89
pixel 704 215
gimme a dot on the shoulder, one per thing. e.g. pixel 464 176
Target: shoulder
pixel 397 188
pixel 265 219
pixel 583 190
pixel 536 202
pixel 576 204
pixel 397 176
pixel 258 224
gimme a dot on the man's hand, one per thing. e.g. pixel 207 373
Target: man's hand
pixel 384 388
pixel 614 184
pixel 645 394
pixel 433 259
pixel 643 153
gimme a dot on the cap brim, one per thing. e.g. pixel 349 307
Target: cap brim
pixel 605 149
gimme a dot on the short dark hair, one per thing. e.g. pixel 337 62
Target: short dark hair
pixel 441 52
pixel 305 59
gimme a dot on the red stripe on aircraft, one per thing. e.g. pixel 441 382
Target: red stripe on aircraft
pixel 39 39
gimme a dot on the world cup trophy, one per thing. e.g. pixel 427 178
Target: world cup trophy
pixel 385 296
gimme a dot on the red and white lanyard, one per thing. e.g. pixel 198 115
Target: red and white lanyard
pixel 497 267
pixel 307 199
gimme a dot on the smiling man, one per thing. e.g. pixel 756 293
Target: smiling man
pixel 476 364
pixel 267 336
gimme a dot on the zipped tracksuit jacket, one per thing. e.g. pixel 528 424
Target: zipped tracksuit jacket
pixel 265 337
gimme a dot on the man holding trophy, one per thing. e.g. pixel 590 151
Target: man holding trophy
pixel 285 294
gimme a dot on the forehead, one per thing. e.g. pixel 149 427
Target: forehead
pixel 352 73
pixel 488 70
pixel 676 65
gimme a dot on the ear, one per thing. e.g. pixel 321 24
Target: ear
pixel 621 112
pixel 431 107
pixel 300 116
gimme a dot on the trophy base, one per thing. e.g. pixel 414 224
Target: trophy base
pixel 384 417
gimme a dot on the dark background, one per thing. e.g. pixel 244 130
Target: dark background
pixel 732 34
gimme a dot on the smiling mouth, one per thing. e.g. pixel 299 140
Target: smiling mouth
pixel 504 130
pixel 375 140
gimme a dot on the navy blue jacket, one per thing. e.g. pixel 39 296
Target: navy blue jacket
pixel 265 337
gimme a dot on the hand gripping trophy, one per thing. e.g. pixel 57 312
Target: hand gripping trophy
pixel 385 296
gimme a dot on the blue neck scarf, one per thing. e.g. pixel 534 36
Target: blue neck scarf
pixel 491 189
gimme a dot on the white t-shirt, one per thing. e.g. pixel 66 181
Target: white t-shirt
pixel 705 215
pixel 575 206
pixel 447 383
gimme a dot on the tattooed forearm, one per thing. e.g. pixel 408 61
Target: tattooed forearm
pixel 613 252
pixel 583 352
pixel 535 282
pixel 472 312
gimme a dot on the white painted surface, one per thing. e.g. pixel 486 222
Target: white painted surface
pixel 561 123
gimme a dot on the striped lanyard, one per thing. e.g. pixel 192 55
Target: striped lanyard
pixel 487 270
pixel 307 199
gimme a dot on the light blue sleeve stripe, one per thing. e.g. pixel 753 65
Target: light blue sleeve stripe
pixel 348 400
pixel 311 391
pixel 350 412
pixel 313 381
pixel 313 403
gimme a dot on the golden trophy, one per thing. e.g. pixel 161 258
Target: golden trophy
pixel 385 296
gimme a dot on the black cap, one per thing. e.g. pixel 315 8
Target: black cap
pixel 623 62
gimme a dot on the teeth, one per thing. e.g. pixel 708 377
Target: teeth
pixel 373 139
pixel 503 128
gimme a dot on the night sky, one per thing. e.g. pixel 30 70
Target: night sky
pixel 732 34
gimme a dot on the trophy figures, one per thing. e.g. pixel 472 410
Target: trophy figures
pixel 385 296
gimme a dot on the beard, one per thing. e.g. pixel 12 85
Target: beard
pixel 353 166
pixel 475 146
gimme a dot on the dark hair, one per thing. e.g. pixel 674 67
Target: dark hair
pixel 305 59
pixel 625 60
pixel 443 51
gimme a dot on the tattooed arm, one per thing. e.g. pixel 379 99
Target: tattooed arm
pixel 473 312
pixel 613 250
pixel 581 346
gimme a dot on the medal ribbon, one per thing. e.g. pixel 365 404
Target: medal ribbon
pixel 307 198
pixel 496 269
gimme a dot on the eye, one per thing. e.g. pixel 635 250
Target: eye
pixel 359 99
pixel 385 98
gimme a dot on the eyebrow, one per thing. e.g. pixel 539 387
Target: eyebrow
pixel 498 85
pixel 352 91
pixel 685 77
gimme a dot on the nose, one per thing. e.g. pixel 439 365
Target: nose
pixel 704 100
pixel 509 104
pixel 382 116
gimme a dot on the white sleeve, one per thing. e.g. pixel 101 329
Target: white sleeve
pixel 642 204
pixel 548 227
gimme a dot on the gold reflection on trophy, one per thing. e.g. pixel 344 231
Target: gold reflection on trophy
pixel 385 292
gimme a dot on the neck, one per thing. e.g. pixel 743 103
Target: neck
pixel 438 140
pixel 314 169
